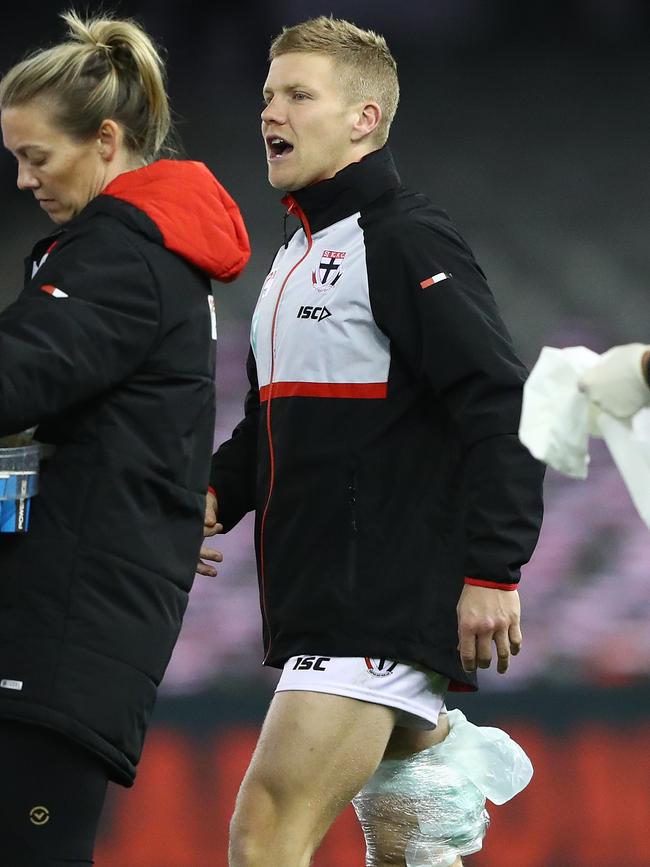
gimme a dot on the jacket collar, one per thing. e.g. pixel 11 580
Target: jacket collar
pixel 347 192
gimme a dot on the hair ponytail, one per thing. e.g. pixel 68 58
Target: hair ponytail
pixel 107 69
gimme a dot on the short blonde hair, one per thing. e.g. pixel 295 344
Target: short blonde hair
pixel 367 68
pixel 107 69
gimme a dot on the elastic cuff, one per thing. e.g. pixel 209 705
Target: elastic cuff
pixel 493 585
pixel 212 491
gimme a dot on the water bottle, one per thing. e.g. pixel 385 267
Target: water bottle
pixel 18 484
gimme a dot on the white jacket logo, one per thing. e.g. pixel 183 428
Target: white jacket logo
pixel 328 270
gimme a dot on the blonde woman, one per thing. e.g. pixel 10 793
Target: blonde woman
pixel 109 351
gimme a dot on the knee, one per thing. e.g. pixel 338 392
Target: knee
pixel 266 829
pixel 253 818
pixel 246 845
pixel 244 850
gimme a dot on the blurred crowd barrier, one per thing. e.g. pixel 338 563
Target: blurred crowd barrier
pixel 588 804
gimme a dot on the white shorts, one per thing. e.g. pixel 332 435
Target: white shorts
pixel 417 692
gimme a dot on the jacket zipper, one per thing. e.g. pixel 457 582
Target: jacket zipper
pixel 352 500
pixel 292 208
pixel 352 554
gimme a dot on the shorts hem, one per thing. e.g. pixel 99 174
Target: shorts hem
pixel 369 697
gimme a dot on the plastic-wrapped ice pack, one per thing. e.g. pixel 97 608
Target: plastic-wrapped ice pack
pixel 431 806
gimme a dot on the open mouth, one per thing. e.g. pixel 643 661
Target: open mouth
pixel 278 147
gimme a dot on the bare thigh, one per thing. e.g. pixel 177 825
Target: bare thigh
pixel 405 742
pixel 314 754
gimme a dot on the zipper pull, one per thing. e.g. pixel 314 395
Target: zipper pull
pixel 288 202
pixel 294 210
pixel 284 227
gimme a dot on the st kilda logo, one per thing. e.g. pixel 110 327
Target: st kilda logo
pixel 380 667
pixel 328 271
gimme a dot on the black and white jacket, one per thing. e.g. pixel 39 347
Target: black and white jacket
pixel 110 350
pixel 379 446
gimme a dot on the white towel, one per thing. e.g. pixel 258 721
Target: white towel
pixel 557 420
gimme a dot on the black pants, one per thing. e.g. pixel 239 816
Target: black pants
pixel 51 797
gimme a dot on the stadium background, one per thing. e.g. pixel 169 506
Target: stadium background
pixel 529 123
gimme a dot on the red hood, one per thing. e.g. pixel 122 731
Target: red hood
pixel 195 215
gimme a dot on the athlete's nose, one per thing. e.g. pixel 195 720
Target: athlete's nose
pixel 272 112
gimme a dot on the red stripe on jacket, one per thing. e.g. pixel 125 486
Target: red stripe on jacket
pixel 362 390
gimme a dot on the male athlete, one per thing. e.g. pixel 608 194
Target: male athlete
pixel 379 449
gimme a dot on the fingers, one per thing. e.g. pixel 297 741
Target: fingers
pixel 484 650
pixel 515 638
pixel 502 645
pixel 207 553
pixel 210 528
pixel 476 650
pixel 467 648
pixel 205 568
pixel 210 512
pixel 210 525
pixel 488 616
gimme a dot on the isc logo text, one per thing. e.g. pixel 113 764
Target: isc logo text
pixel 309 312
pixel 311 663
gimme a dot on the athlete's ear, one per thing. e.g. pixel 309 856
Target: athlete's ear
pixel 367 119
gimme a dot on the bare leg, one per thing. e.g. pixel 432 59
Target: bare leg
pixel 405 742
pixel 315 752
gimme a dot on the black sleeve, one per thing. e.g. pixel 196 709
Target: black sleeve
pixel 433 302
pixel 234 465
pixel 83 324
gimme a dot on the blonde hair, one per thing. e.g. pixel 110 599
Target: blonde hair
pixel 107 69
pixel 367 68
